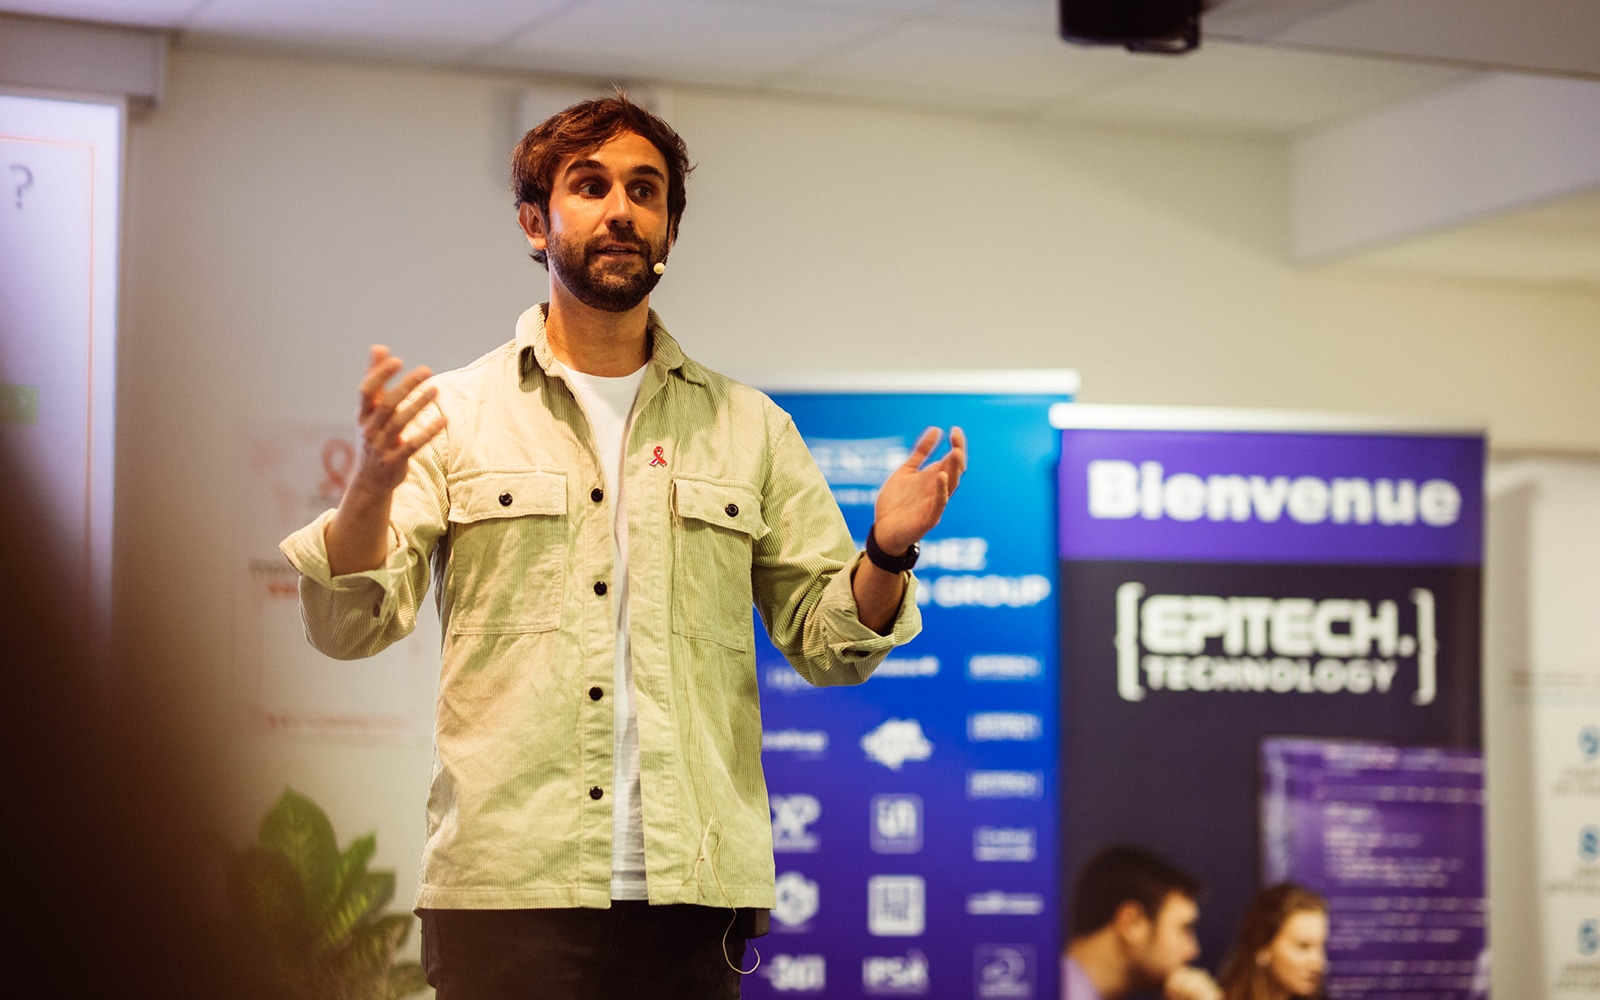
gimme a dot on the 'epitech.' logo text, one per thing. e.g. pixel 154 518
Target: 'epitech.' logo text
pixel 1209 643
pixel 1119 490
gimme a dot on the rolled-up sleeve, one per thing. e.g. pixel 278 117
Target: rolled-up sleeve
pixel 359 614
pixel 802 576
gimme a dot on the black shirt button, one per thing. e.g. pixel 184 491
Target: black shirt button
pixel 595 694
pixel 595 792
pixel 597 494
pixel 732 509
pixel 505 499
pixel 377 611
pixel 600 587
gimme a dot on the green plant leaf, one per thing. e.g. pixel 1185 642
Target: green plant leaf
pixel 360 902
pixel 267 898
pixel 373 946
pixel 405 979
pixel 299 830
pixel 354 861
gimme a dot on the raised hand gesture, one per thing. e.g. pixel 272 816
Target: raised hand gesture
pixel 358 536
pixel 386 416
pixel 913 498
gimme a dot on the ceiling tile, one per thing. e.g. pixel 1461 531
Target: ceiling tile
pixel 425 29
pixel 142 13
pixel 692 41
pixel 1257 20
pixel 961 66
pixel 1039 16
pixel 1552 36
pixel 1225 87
pixel 885 7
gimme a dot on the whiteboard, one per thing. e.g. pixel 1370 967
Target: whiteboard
pixel 60 190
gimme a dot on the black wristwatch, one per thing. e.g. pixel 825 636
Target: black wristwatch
pixel 886 562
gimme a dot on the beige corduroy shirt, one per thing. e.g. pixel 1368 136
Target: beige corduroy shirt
pixel 505 509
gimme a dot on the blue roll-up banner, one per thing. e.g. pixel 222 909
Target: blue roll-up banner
pixel 914 816
pixel 1270 670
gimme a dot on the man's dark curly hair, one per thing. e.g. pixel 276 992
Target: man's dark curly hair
pixel 583 128
pixel 1122 874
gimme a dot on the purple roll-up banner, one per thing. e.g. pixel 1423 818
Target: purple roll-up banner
pixel 1231 578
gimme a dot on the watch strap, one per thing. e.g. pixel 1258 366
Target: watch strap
pixel 886 562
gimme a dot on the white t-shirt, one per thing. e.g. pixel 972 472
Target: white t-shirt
pixel 608 402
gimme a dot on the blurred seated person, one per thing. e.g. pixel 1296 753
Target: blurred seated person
pixel 1281 951
pixel 1133 918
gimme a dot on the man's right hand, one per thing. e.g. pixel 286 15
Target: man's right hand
pixel 1190 983
pixel 358 535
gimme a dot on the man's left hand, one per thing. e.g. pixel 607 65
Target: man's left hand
pixel 913 498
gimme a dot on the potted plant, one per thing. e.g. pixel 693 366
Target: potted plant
pixel 306 919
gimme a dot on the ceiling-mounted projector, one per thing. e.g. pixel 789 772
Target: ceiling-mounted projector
pixel 1166 26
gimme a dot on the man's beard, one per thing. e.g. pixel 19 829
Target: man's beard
pixel 585 271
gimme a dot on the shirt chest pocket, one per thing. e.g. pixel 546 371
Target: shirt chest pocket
pixel 715 524
pixel 508 551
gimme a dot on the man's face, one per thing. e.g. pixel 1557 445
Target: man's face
pixel 1161 946
pixel 607 224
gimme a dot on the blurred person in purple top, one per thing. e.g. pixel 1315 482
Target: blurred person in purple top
pixel 1133 919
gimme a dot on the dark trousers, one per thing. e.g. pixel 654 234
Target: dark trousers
pixel 632 950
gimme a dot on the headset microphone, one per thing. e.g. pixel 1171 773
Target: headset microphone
pixel 660 268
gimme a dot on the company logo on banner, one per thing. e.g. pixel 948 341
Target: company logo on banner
pixel 902 666
pixel 1210 643
pixel 995 903
pixel 792 816
pixel 896 824
pixel 895 742
pixel 805 742
pixel 797 973
pixel 856 467
pixel 1589 742
pixel 1021 727
pixel 896 905
pixel 1004 667
pixel 1003 972
pixel 798 899
pixel 1004 843
pixel 1005 784
pixel 895 975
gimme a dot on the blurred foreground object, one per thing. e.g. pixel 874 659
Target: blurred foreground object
pixel 102 807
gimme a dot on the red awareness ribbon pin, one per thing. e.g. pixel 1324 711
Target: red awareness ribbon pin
pixel 658 458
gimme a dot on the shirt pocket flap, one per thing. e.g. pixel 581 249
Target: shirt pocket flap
pixel 509 493
pixel 724 505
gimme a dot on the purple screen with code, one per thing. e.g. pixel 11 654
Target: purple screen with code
pixel 1393 837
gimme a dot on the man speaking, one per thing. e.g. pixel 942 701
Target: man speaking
pixel 599 513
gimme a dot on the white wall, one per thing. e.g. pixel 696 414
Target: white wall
pixel 284 213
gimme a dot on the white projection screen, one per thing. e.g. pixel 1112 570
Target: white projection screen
pixel 60 194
